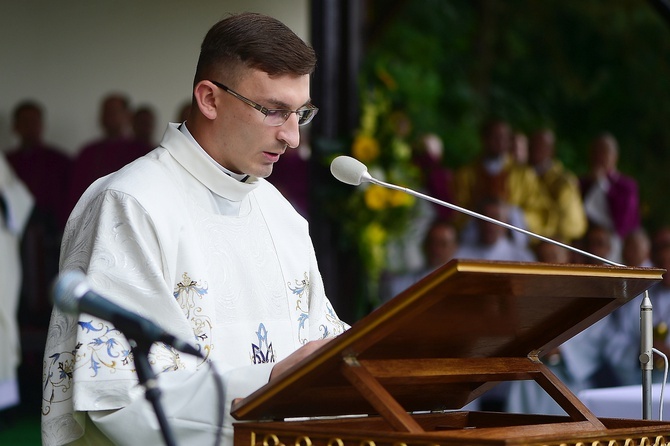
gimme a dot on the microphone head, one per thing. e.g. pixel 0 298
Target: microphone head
pixel 349 170
pixel 68 289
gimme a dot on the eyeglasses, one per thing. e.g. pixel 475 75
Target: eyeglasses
pixel 278 116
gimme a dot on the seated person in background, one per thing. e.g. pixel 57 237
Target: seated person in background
pixel 611 199
pixel 566 220
pixel 112 151
pixel 598 241
pixel 520 148
pixel 550 253
pixel 144 126
pixel 492 241
pixel 438 179
pixel 45 169
pixel 637 248
pixel 495 175
pixel 628 336
pixel 193 237
pixel 439 246
pixel 587 360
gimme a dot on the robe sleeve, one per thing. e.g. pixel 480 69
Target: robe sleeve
pixel 89 371
pixel 191 406
pixel 324 322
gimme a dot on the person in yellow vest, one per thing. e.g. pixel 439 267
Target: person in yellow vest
pixel 566 219
pixel 495 175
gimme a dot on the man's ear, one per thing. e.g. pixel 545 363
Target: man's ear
pixel 206 99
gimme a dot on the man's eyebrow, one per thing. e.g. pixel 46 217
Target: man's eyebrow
pixel 276 103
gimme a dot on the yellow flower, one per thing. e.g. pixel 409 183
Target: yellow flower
pixel 376 197
pixel 365 148
pixel 398 198
pixel 369 113
pixel 374 234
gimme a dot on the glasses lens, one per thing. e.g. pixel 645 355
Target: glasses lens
pixel 277 117
pixel 306 115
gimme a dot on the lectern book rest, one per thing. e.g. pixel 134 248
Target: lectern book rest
pixel 403 374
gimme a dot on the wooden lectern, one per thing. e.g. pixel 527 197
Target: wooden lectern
pixel 402 374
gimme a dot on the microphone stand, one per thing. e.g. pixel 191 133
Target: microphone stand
pixel 646 323
pixel 646 354
pixel 152 392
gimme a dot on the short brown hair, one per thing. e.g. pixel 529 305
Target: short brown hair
pixel 255 41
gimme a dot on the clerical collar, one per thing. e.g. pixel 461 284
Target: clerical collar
pixel 238 176
pixel 494 165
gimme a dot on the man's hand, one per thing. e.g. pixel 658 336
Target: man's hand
pixel 297 356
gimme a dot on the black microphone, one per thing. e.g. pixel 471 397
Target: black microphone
pixel 73 295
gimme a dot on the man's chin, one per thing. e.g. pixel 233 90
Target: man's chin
pixel 263 173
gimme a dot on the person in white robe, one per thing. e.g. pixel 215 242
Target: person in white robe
pixel 194 238
pixel 492 241
pixel 16 204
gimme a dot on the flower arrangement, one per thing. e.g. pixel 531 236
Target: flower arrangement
pixel 374 215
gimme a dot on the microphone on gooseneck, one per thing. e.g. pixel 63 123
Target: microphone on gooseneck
pixel 351 171
pixel 73 295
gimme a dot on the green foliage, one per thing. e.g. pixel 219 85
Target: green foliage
pixel 579 67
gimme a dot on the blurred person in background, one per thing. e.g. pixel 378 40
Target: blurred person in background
pixel 438 247
pixel 109 153
pixel 611 199
pixel 565 219
pixel 15 208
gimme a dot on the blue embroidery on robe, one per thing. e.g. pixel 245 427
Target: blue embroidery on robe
pixel 338 327
pixel 262 352
pixel 300 289
pixel 188 294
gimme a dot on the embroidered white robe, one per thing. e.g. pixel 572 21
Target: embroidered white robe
pixel 226 265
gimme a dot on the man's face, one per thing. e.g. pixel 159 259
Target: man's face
pixel 490 233
pixel 541 148
pixel 604 154
pixel 441 245
pixel 599 242
pixel 244 143
pixel 498 139
pixel 115 117
pixel 28 125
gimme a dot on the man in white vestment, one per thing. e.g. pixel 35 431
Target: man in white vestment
pixel 16 203
pixel 492 241
pixel 194 238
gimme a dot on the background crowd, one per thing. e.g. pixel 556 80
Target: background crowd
pixel 39 185
pixel 516 179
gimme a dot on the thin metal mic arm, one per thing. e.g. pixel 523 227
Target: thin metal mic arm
pixel 646 324
pixel 370 179
pixel 351 171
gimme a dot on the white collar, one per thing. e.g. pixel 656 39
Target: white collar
pixel 238 176
pixel 185 153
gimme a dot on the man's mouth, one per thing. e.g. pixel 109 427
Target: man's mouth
pixel 270 156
